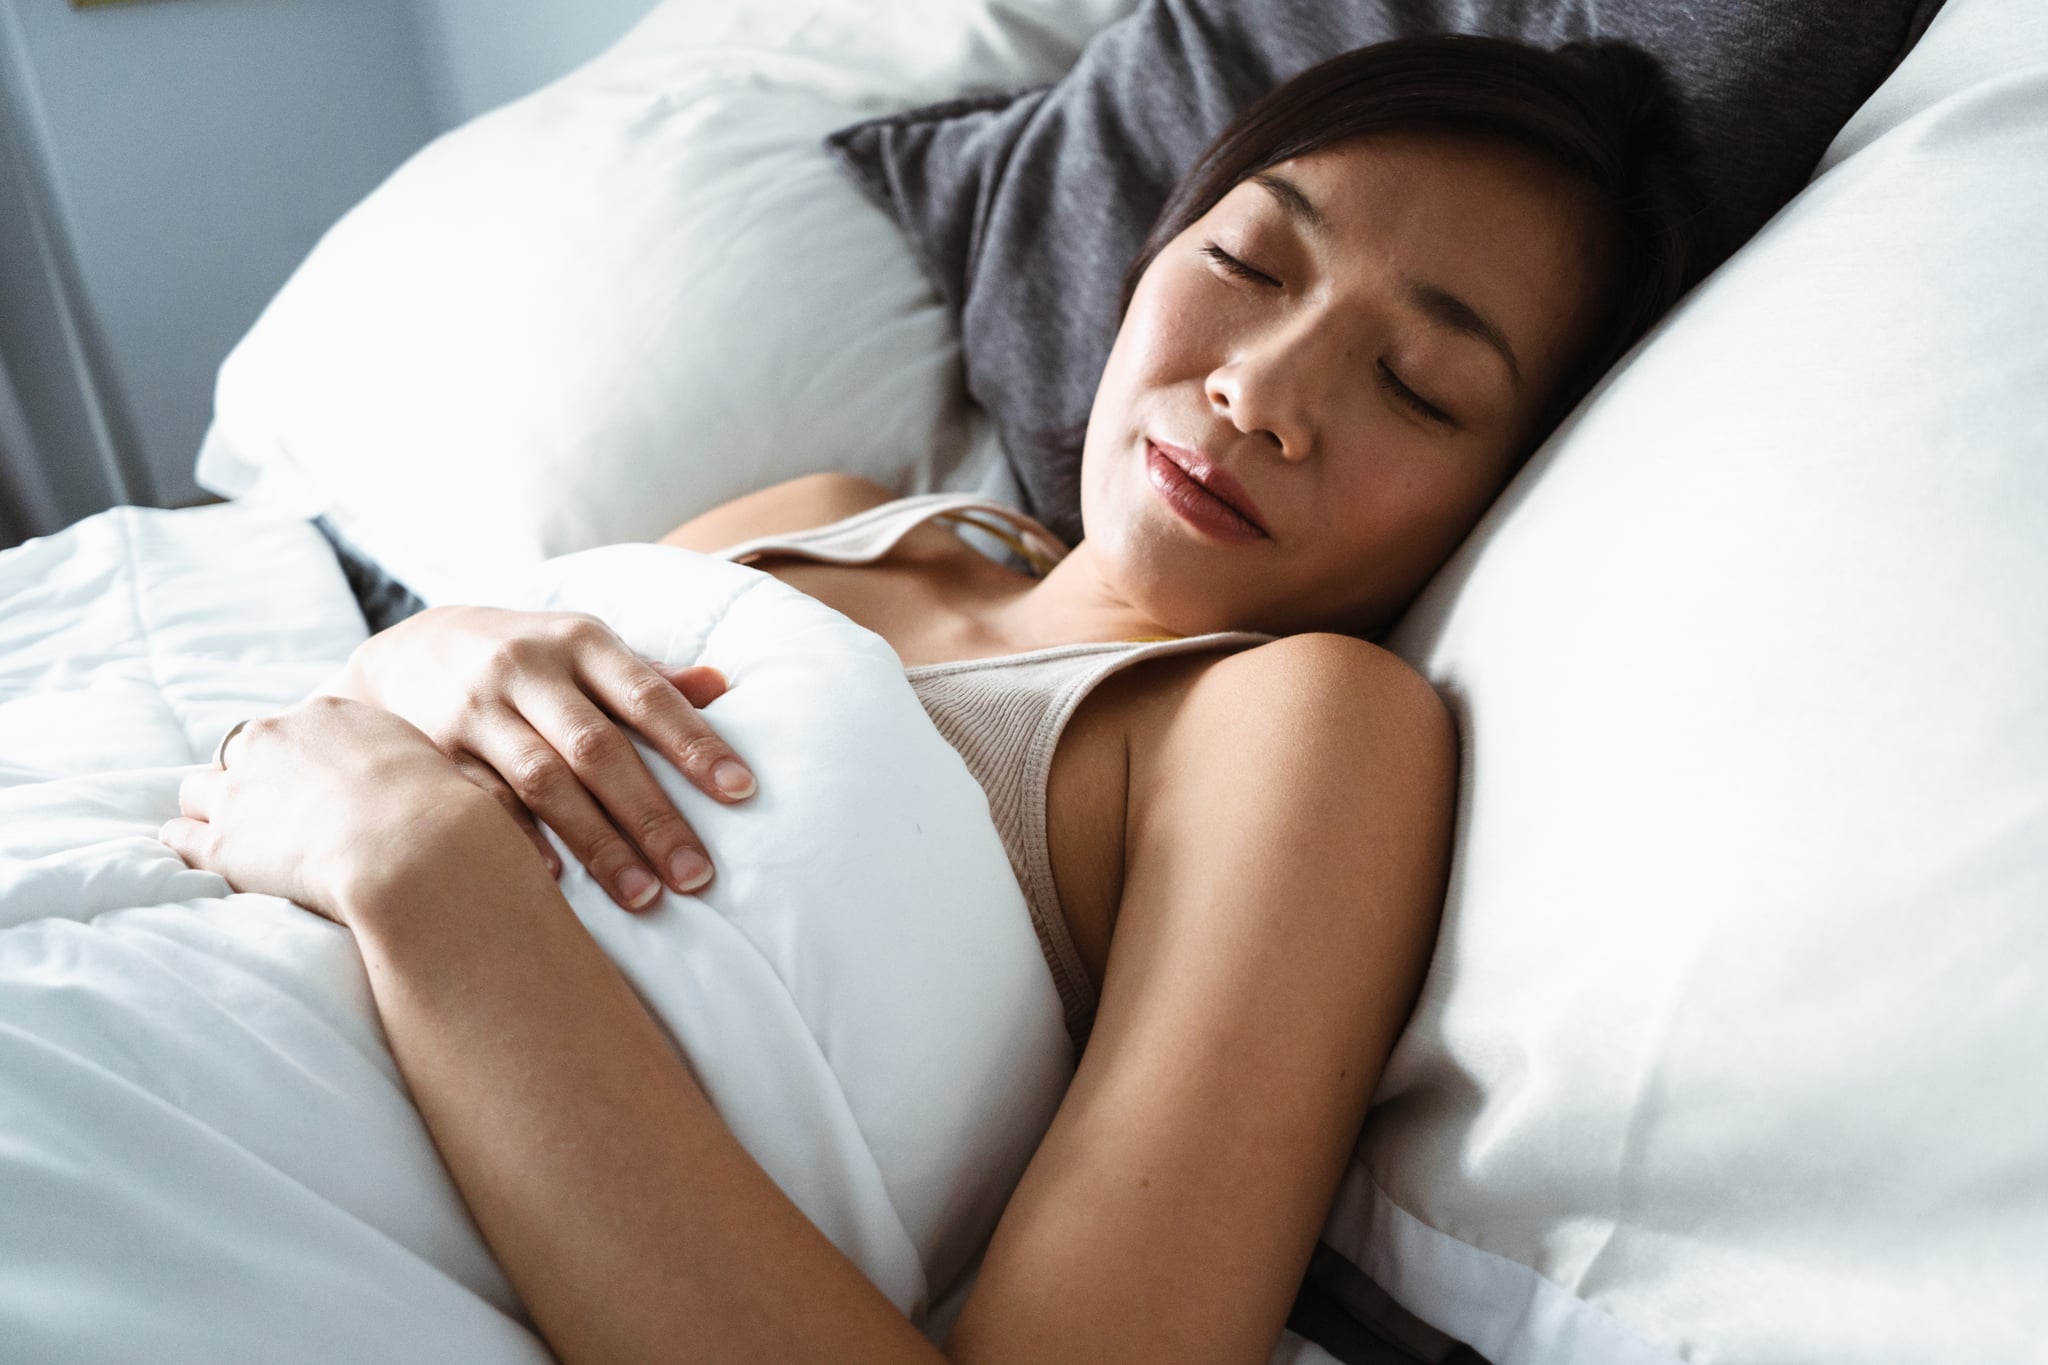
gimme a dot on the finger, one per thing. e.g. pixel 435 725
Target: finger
pixel 198 792
pixel 550 788
pixel 631 689
pixel 191 840
pixel 483 775
pixel 611 769
pixel 700 684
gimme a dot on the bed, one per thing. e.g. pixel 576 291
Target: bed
pixel 1731 1046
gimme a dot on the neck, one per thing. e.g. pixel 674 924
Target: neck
pixel 1073 604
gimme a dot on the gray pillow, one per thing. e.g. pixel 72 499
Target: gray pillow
pixel 1028 208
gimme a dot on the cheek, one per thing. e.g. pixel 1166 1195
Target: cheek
pixel 1162 338
pixel 1154 353
pixel 1398 527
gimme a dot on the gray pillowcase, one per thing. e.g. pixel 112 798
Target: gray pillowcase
pixel 1028 208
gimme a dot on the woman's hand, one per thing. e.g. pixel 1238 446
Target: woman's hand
pixel 330 802
pixel 528 706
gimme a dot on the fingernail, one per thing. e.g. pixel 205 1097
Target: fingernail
pixel 688 870
pixel 732 778
pixel 638 889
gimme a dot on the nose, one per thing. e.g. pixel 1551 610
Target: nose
pixel 1263 390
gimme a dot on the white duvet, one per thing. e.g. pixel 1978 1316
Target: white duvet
pixel 206 1152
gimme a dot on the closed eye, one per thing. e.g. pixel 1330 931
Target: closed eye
pixel 1388 379
pixel 1236 267
pixel 1391 382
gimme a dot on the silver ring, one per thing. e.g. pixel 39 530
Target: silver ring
pixel 220 750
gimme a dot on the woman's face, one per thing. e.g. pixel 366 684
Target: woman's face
pixel 1350 349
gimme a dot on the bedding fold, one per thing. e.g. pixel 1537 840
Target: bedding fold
pixel 206 1151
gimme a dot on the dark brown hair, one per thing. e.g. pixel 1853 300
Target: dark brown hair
pixel 1600 111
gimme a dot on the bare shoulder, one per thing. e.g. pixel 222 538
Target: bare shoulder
pixel 1313 705
pixel 1319 668
pixel 1320 744
pixel 795 505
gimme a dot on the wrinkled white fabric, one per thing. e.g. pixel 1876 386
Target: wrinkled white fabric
pixel 640 291
pixel 206 1152
pixel 1731 1050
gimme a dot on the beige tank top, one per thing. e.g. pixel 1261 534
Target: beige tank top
pixel 1004 715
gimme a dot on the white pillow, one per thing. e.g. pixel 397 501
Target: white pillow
pixel 1732 1048
pixel 640 291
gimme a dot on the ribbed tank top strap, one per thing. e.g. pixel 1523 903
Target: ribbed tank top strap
pixel 868 535
pixel 1007 735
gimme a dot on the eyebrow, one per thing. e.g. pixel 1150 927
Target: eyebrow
pixel 1298 205
pixel 1433 301
pixel 1446 309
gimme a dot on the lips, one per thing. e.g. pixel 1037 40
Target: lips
pixel 1215 481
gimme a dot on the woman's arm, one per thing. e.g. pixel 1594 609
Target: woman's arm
pixel 632 1223
pixel 529 706
pixel 1286 853
pixel 1287 846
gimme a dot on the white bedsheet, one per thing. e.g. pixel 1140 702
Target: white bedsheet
pixel 206 1152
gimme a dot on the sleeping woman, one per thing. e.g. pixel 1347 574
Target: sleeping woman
pixel 1230 813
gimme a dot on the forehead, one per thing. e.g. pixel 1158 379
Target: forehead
pixel 1466 184
pixel 1491 222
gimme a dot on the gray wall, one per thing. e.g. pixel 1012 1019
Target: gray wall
pixel 165 164
pixel 481 53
